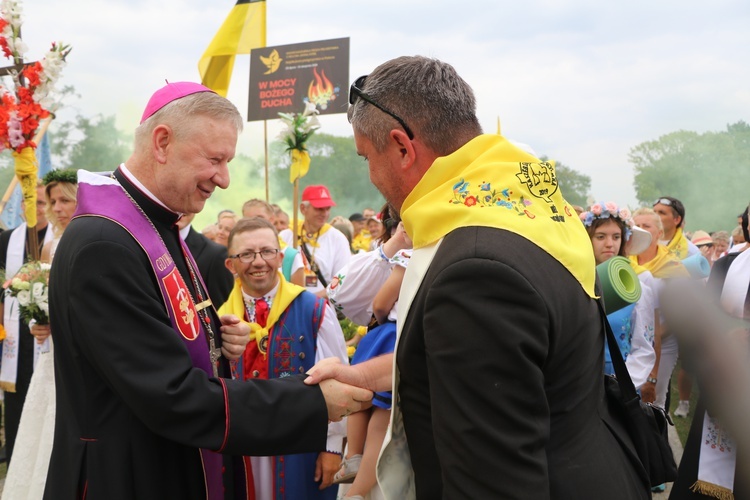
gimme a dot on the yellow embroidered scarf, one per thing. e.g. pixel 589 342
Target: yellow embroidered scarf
pixel 679 245
pixel 285 294
pixel 313 242
pixel 490 182
pixel 664 265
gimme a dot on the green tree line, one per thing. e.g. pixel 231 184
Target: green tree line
pixel 708 172
pixel 95 143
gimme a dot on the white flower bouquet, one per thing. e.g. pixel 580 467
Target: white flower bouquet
pixel 30 287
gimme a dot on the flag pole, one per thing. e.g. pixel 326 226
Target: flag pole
pixel 265 153
pixel 295 204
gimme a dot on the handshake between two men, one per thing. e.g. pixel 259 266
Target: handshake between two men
pixel 346 389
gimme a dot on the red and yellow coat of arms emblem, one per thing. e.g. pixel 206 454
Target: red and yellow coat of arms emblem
pixel 185 316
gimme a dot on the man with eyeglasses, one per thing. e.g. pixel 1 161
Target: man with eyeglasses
pixel 498 388
pixel 291 329
pixel 672 214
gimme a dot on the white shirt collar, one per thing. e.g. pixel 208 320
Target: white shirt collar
pixel 185 231
pixel 269 296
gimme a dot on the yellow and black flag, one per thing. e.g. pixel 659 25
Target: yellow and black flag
pixel 244 29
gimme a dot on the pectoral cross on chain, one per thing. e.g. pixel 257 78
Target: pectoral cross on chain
pixel 214 354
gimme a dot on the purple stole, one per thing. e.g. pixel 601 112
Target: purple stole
pixel 110 201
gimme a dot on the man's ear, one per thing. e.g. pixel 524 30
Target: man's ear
pixel 405 147
pixel 229 264
pixel 161 137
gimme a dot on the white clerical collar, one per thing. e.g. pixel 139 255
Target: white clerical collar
pixel 185 231
pixel 127 173
pixel 269 296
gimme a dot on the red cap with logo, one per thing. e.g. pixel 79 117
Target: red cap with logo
pixel 318 196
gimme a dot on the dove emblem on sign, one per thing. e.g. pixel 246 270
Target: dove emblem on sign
pixel 272 62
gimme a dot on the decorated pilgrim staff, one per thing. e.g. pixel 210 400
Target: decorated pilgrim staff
pixel 139 349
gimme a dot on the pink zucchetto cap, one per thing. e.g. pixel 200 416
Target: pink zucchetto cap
pixel 168 93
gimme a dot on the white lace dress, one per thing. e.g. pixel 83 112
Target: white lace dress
pixel 27 473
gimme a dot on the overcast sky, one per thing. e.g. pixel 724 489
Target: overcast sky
pixel 580 81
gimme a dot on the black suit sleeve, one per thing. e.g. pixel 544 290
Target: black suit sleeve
pixel 219 280
pixel 119 322
pixel 486 337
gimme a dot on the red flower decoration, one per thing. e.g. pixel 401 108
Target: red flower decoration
pixel 470 201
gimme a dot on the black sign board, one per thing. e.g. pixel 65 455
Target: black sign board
pixel 283 79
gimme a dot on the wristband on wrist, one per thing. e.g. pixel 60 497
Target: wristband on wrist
pixel 651 380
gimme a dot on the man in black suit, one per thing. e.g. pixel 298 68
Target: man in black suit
pixel 499 360
pixel 210 257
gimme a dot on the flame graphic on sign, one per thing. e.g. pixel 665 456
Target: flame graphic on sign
pixel 321 90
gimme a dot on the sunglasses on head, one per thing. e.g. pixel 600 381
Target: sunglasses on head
pixel 662 201
pixel 355 92
pixel 675 205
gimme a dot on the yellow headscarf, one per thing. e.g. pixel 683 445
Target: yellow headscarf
pixel 490 182
pixel 285 295
pixel 664 265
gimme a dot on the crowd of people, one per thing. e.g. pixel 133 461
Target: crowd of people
pixel 212 364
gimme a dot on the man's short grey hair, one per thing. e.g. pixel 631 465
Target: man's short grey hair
pixel 428 94
pixel 180 115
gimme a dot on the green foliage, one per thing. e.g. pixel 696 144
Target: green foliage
pixel 708 172
pixel 101 148
pixel 247 182
pixel 349 328
pixel 574 185
pixel 336 165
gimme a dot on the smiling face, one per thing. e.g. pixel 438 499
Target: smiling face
pixel 194 163
pixel 606 240
pixel 375 228
pixel 315 218
pixel 259 276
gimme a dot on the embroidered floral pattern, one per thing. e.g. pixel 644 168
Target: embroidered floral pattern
pixel 716 438
pixel 336 281
pixel 489 197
